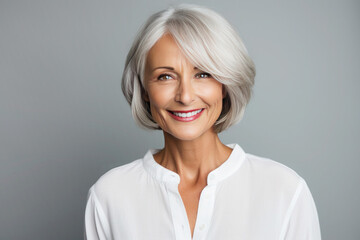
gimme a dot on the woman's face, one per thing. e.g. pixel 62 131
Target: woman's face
pixel 184 101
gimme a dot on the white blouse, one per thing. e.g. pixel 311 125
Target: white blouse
pixel 247 197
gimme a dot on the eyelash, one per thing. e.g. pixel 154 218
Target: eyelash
pixel 164 75
pixel 204 73
pixel 197 76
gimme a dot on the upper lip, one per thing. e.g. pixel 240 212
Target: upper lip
pixel 186 111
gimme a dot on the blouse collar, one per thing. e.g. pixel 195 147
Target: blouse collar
pixel 225 170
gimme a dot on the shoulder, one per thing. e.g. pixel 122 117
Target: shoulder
pixel 270 166
pixel 118 179
pixel 271 173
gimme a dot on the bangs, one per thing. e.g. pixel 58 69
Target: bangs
pixel 198 44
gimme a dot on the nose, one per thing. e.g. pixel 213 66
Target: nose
pixel 185 92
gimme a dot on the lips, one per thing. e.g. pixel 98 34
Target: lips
pixel 186 116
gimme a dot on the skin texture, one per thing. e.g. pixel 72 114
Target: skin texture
pixel 192 149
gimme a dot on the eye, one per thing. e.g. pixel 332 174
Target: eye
pixel 203 75
pixel 164 77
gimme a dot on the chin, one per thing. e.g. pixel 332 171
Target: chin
pixel 185 134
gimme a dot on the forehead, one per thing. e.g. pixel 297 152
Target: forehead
pixel 165 52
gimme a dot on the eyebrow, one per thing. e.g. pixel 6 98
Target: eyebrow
pixel 170 68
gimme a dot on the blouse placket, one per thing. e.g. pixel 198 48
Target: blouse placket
pixel 207 197
pixel 178 211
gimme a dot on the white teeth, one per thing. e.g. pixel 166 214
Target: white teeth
pixel 189 114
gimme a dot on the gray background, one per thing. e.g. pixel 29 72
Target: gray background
pixel 64 121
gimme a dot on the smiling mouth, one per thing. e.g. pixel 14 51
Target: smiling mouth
pixel 186 116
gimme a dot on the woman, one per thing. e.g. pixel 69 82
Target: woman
pixel 189 75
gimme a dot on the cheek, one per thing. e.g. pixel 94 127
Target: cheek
pixel 159 97
pixel 213 95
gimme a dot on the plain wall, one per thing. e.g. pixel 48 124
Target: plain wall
pixel 64 121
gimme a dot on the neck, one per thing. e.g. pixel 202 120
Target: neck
pixel 193 160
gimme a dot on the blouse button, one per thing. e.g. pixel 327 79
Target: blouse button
pixel 202 227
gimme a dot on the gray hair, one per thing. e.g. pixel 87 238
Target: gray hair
pixel 210 43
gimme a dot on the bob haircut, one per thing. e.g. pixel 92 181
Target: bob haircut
pixel 210 43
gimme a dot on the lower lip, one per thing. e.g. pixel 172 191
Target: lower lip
pixel 186 119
